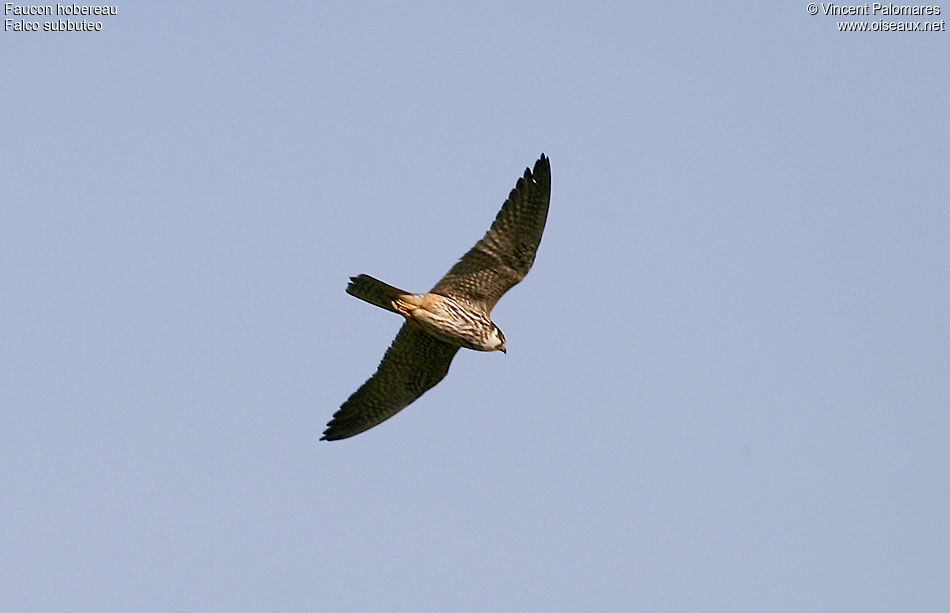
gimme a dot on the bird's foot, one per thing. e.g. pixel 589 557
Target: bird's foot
pixel 404 308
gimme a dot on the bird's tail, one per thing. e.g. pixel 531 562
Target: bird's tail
pixel 375 291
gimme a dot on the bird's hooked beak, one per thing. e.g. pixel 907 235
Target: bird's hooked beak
pixel 503 350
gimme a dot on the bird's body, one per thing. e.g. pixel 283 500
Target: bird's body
pixel 454 314
pixel 450 320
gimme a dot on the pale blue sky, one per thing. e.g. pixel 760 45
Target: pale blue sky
pixel 728 373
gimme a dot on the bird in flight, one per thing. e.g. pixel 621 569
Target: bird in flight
pixel 453 314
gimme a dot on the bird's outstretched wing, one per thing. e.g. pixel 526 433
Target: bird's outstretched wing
pixel 415 362
pixel 505 254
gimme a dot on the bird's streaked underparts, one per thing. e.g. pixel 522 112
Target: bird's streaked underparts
pixel 453 314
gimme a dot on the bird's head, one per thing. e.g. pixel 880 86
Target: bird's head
pixel 497 340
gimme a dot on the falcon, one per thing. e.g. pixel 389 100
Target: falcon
pixel 455 313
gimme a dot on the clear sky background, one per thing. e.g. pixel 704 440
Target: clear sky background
pixel 728 375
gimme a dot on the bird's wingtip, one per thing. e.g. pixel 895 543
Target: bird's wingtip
pixel 543 164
